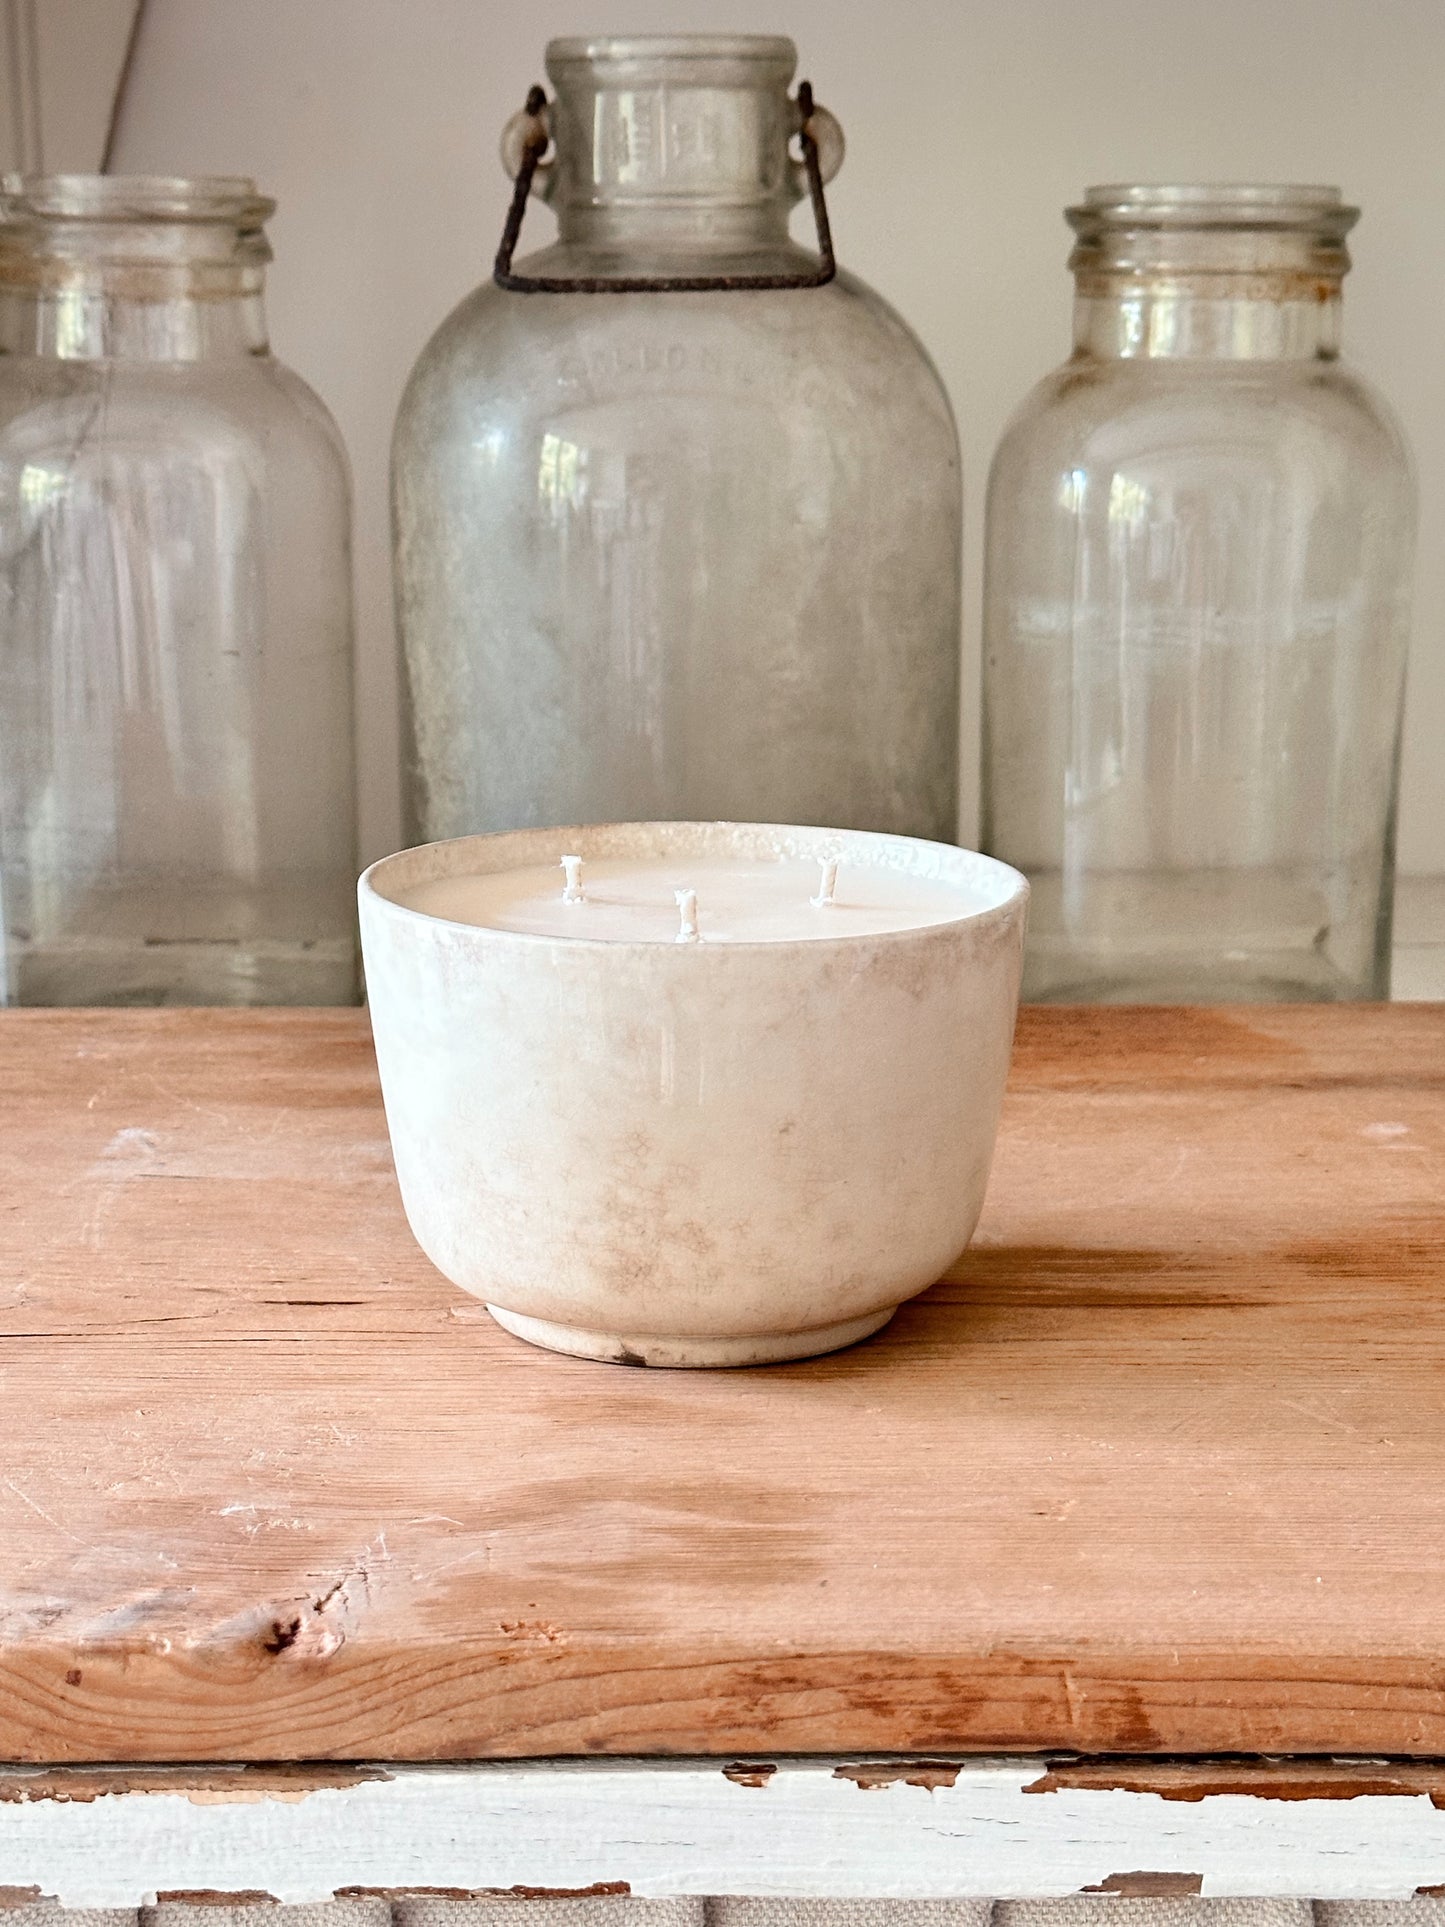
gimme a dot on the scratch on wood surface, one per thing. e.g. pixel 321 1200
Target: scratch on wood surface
pixel 482 1552
pixel 132 1142
pixel 1320 1418
pixel 130 1153
pixel 40 1512
pixel 1072 1699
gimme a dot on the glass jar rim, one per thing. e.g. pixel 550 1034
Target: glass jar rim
pixel 229 199
pixel 666 50
pixel 1280 207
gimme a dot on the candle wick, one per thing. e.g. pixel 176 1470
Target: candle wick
pixel 687 916
pixel 828 885
pixel 572 888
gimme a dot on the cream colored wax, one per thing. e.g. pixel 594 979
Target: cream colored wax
pixel 617 900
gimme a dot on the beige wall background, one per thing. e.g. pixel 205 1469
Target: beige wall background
pixel 970 125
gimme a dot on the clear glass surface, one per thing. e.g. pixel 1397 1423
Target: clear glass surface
pixel 677 556
pixel 1197 580
pixel 176 783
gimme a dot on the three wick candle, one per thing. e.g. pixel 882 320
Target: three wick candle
pixel 692 1094
pixel 712 899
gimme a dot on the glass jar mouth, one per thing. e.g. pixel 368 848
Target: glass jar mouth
pixel 1261 207
pixel 202 199
pixel 700 58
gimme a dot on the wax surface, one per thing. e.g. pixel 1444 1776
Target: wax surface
pixel 634 901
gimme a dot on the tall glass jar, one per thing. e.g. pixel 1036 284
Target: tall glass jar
pixel 176 807
pixel 1197 588
pixel 677 554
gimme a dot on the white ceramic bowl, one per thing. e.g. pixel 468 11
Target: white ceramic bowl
pixel 692 1154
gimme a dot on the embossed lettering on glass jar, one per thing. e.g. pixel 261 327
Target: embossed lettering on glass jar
pixel 677 555
pixel 1197 585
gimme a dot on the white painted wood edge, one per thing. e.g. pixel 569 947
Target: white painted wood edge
pixel 684 1827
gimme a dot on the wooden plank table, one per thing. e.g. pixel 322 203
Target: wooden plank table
pixel 1158 1470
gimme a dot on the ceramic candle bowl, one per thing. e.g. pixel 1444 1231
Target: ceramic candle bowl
pixel 695 1152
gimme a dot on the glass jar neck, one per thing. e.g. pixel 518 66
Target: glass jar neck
pixel 1139 320
pixel 1209 274
pixel 110 268
pixel 673 143
pixel 109 317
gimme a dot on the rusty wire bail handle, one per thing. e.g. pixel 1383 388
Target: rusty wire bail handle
pixel 535 146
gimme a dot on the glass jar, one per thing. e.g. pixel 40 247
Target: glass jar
pixel 176 796
pixel 677 554
pixel 1197 596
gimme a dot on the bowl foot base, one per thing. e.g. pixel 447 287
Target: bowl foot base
pixel 621 1348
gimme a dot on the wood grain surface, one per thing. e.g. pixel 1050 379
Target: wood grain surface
pixel 1160 1468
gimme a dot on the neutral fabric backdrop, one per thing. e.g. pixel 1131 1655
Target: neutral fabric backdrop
pixel 1081 1911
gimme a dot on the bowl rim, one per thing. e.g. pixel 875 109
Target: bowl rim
pixel 567 837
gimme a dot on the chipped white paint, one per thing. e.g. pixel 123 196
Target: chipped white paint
pixel 684 1827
